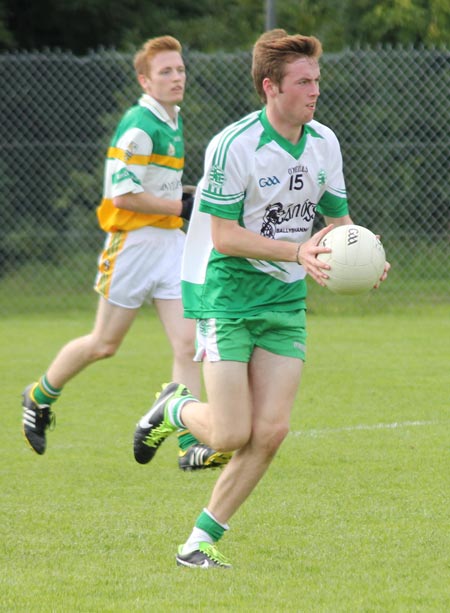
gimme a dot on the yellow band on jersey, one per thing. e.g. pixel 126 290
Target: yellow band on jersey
pixel 144 160
pixel 112 219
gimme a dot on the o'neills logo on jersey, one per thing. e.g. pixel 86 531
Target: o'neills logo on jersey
pixel 277 216
pixel 171 150
pixel 171 186
pixel 296 169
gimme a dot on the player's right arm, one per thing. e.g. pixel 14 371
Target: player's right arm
pixel 127 177
pixel 338 221
pixel 145 202
pixel 231 239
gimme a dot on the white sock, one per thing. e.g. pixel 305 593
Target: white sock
pixel 197 536
pixel 174 411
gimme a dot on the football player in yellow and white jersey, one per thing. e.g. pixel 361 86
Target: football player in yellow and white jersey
pixel 142 211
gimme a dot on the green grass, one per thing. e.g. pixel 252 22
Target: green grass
pixel 353 516
pixel 419 276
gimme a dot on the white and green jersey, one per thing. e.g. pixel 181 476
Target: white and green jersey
pixel 273 188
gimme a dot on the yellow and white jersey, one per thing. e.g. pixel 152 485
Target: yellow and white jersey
pixel 146 154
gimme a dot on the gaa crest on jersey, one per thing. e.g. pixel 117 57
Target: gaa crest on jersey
pixel 268 181
pixel 216 176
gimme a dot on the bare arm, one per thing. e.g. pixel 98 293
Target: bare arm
pixel 338 221
pixel 148 203
pixel 232 239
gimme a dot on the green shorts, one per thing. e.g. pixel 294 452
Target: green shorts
pixel 282 333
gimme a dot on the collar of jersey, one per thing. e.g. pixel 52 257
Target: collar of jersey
pixel 157 109
pixel 270 134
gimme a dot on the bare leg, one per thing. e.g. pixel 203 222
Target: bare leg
pixel 181 335
pixel 111 325
pixel 272 384
pixel 224 423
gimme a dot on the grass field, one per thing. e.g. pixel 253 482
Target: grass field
pixel 353 516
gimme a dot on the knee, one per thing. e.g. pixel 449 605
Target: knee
pixel 184 349
pixel 228 441
pixel 269 438
pixel 102 351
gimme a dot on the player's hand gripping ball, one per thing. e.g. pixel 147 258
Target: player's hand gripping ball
pixel 357 259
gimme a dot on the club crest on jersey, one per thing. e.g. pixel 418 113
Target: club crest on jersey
pixel 130 150
pixel 216 176
pixel 321 177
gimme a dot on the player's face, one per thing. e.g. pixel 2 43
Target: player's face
pixel 296 98
pixel 167 78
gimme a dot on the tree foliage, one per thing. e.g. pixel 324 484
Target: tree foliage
pixel 212 25
pixel 413 22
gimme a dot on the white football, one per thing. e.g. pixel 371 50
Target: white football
pixel 357 259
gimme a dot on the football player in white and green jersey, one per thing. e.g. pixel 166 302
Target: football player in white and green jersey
pixel 272 188
pixel 248 250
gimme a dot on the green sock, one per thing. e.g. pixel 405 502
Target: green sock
pixel 44 393
pixel 208 523
pixel 186 439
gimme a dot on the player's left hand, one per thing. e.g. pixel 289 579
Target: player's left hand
pixel 187 204
pixel 383 277
pixel 187 201
pixel 387 267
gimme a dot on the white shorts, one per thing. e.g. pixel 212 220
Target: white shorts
pixel 137 266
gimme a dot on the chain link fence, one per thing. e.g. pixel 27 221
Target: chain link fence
pixel 389 107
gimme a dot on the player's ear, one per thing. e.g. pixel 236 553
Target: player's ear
pixel 143 81
pixel 270 88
